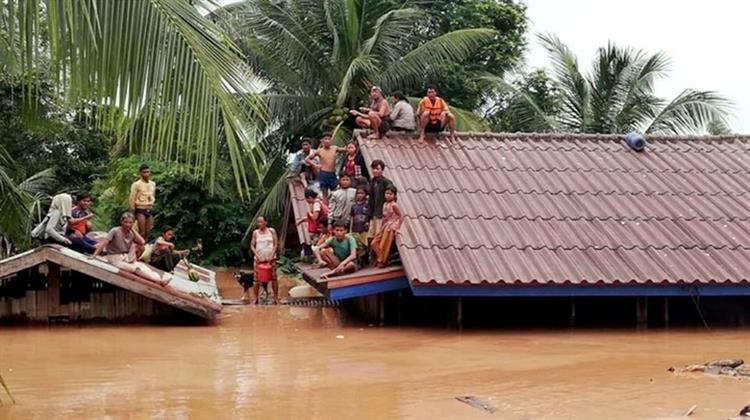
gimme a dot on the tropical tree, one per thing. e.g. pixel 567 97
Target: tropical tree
pixel 158 73
pixel 617 95
pixel 19 197
pixel 321 57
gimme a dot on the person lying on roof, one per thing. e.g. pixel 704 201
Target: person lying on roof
pixel 373 117
pixel 434 115
pixel 339 253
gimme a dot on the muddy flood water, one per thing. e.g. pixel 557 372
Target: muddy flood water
pixel 299 363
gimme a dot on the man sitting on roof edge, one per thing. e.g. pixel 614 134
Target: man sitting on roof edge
pixel 434 115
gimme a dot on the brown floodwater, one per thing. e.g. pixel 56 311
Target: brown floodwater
pixel 305 363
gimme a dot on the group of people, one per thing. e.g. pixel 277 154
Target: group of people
pixel 433 115
pixel 68 222
pixel 353 216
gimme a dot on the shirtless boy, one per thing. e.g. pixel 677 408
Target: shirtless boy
pixel 327 155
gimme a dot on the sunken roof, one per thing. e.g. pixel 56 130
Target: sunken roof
pixel 576 209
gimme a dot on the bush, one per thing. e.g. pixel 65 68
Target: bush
pixel 215 221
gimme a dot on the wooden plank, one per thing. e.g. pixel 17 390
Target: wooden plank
pixel 21 262
pixel 333 283
pixel 53 290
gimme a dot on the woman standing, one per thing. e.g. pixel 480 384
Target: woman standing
pixel 264 246
pixel 392 217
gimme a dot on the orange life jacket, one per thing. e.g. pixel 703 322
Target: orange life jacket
pixel 435 109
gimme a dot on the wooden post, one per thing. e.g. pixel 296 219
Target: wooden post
pixel 666 311
pixel 53 290
pixel 641 312
pixel 285 222
pixel 381 309
pixel 460 313
pixel 572 312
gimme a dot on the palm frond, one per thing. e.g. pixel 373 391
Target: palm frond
pixel 422 60
pixel 170 72
pixel 573 86
pixel 691 111
pixel 38 182
pixel 361 65
pixel 526 110
pixel 389 32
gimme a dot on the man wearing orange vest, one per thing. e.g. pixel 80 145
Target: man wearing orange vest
pixel 434 115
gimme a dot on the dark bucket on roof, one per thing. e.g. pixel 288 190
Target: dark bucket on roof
pixel 635 141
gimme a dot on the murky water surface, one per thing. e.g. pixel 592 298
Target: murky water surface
pixel 295 363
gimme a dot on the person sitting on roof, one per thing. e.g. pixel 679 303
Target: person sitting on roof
pixel 79 225
pixel 299 167
pixel 339 253
pixel 317 216
pixel 354 164
pixel 392 218
pixel 55 225
pixel 120 246
pixel 327 154
pixel 324 236
pixel 373 117
pixel 402 115
pixel 264 246
pixel 164 255
pixel 434 115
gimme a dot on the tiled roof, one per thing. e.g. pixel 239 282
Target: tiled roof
pixel 540 208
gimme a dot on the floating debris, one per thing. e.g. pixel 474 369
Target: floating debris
pixel 476 403
pixel 726 367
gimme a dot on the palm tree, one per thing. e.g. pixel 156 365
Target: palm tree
pixel 19 198
pixel 617 95
pixel 322 56
pixel 159 74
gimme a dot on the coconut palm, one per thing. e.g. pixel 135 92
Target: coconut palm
pixel 322 56
pixel 617 95
pixel 160 74
pixel 19 198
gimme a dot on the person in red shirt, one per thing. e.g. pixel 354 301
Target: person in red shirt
pixel 434 115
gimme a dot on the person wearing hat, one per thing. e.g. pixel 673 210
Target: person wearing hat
pixel 376 116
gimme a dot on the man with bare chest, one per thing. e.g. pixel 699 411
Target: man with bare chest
pixel 327 155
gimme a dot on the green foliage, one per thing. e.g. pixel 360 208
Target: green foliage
pixel 513 110
pixel 49 138
pixel 617 95
pixel 457 81
pixel 215 221
pixel 164 76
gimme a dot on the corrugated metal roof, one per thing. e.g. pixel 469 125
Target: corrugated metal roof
pixel 541 208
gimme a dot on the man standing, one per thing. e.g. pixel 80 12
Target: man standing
pixel 434 115
pixel 375 116
pixel 142 200
pixel 342 200
pixel 327 155
pixel 378 184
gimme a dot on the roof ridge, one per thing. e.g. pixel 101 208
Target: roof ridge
pixel 581 218
pixel 579 248
pixel 576 170
pixel 581 193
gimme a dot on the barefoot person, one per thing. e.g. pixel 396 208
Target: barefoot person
pixel 306 172
pixel 375 115
pixel 327 155
pixel 264 246
pixel 165 255
pixel 142 199
pixel 120 245
pixel 339 253
pixel 392 217
pixel 434 115
pixel 377 187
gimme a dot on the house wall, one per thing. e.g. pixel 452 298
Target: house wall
pixel 34 296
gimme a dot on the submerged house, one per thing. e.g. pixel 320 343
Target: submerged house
pixel 52 282
pixel 560 215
